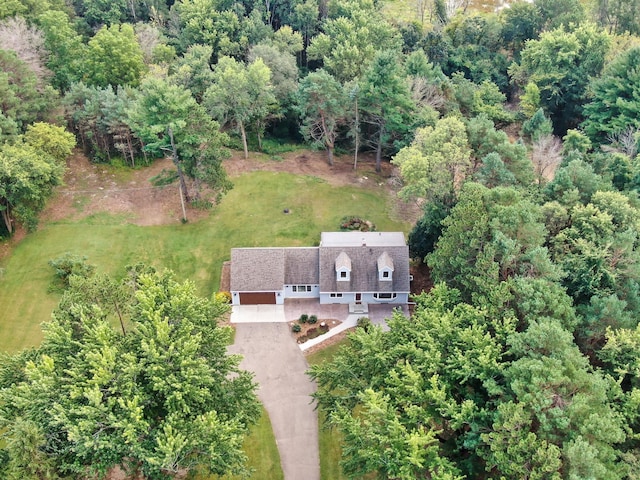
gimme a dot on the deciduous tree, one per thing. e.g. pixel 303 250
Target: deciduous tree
pixel 241 95
pixel 159 399
pixel 561 64
pixel 615 103
pixel 437 162
pixel 114 57
pixel 322 103
pixel 169 121
pixel 27 178
pixel 350 39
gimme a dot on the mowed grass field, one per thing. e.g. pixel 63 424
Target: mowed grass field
pixel 250 215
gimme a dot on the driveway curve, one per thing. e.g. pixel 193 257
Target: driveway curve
pixel 285 391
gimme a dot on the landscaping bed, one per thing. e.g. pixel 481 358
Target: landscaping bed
pixel 308 327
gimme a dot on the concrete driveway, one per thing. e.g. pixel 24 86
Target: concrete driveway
pixel 284 389
pixel 257 314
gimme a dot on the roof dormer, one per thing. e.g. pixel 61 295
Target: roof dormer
pixel 343 268
pixel 385 267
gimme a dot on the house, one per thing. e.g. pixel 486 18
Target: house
pixel 348 267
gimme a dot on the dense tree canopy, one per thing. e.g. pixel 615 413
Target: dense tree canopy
pixel 561 63
pixel 157 398
pixel 29 170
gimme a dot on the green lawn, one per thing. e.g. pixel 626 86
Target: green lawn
pixel 250 215
pixel 260 446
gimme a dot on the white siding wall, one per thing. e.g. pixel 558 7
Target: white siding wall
pixel 401 298
pixel 289 293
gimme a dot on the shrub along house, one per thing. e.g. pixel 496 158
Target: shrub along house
pixel 355 268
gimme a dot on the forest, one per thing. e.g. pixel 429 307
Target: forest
pixel 517 132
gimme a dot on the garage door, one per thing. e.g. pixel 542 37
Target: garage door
pixel 262 298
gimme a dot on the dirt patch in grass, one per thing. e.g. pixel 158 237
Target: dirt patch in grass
pixel 90 189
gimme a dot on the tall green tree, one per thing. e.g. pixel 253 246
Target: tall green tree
pixel 283 67
pixel 561 64
pixel 104 12
pixel 170 122
pixel 615 102
pixel 437 162
pixel 65 47
pixel 558 13
pixel 385 102
pixel 160 398
pixel 485 139
pixel 193 70
pixel 476 49
pixel 27 178
pixel 114 57
pixel 491 236
pixel 598 250
pixel 350 38
pixel 322 103
pixel 241 95
pixel 421 389
pixel 23 100
pixel 618 16
pixel 206 22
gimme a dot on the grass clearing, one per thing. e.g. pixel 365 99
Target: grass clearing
pixel 262 452
pixel 250 215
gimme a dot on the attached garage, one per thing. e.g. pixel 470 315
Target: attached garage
pixel 258 298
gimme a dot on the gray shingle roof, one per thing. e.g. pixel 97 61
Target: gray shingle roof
pixel 302 266
pixel 364 272
pixel 257 269
pixel 269 269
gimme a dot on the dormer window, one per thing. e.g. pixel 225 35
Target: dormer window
pixel 385 267
pixel 343 268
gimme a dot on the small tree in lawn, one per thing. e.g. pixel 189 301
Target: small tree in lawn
pixel 322 104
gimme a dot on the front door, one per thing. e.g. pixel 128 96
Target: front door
pixel 358 298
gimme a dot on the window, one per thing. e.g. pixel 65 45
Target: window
pixel 343 274
pixel 301 288
pixel 384 296
pixel 385 274
pixel 336 295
